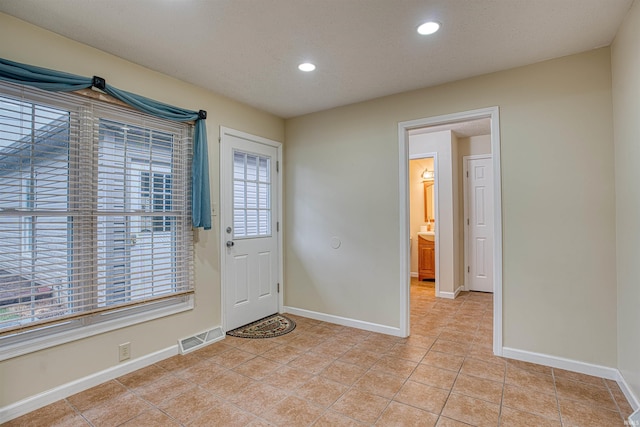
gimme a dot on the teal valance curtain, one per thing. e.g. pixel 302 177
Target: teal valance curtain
pixel 58 81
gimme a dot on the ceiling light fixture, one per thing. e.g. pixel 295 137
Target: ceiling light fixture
pixel 306 66
pixel 428 28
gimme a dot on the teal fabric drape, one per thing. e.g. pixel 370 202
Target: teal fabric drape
pixel 42 78
pixel 51 80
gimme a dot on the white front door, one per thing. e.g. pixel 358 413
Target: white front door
pixel 479 237
pixel 249 222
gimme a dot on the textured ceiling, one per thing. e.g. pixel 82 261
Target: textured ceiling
pixel 249 49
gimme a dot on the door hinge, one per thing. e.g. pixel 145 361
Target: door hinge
pixel 277 166
pixel 278 287
pixel 219 139
pixel 467 174
pixel 467 221
pixel 278 226
pixel 468 269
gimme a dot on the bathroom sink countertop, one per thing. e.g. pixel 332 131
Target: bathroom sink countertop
pixel 429 235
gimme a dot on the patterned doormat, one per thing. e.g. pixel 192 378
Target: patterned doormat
pixel 269 327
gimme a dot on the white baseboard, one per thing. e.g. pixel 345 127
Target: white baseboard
pixel 414 274
pixel 450 295
pixel 460 289
pixel 631 397
pixel 45 398
pixel 561 363
pixel 577 366
pixel 344 321
pixel 447 295
pixel 634 419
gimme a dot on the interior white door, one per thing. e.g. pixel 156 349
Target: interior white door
pixel 249 222
pixel 480 224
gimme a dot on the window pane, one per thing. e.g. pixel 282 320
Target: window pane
pixel 238 194
pixel 265 222
pixel 252 167
pixel 251 195
pixel 252 222
pixel 238 165
pixel 264 174
pixel 264 198
pixel 34 272
pixel 239 221
pixel 94 209
pixel 35 250
pixel 136 166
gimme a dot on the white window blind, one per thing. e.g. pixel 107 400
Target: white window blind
pixel 94 212
pixel 251 195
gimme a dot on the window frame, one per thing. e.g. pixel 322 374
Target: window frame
pixel 13 344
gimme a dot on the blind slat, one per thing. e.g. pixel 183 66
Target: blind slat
pixel 94 209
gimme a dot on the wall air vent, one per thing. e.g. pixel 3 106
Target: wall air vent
pixel 200 340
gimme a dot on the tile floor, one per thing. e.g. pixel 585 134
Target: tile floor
pixel 322 374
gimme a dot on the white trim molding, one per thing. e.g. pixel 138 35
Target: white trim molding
pixel 633 400
pixel 45 398
pixel 344 321
pixel 561 363
pixel 446 295
pixel 450 295
pixel 576 366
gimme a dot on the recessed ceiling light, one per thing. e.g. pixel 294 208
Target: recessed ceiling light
pixel 306 66
pixel 428 28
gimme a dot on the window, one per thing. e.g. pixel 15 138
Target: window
pixel 94 213
pixel 251 195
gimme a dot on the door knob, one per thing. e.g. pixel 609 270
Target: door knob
pixel 230 243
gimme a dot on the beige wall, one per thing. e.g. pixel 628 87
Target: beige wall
pixel 625 62
pixel 558 268
pixel 37 372
pixel 416 204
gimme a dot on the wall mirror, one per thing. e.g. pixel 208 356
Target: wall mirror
pixel 428 201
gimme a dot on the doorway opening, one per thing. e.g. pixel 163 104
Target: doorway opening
pixel 414 138
pixel 423 189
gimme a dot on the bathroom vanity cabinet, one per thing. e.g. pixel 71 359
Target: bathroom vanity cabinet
pixel 426 258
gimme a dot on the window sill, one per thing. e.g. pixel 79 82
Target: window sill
pixel 73 332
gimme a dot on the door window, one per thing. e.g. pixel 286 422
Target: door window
pixel 251 195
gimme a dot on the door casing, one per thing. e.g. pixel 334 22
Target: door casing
pixel 225 168
pixel 405 259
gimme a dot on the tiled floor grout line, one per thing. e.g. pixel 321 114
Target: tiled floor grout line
pixel 504 386
pixel 555 389
pixel 445 328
